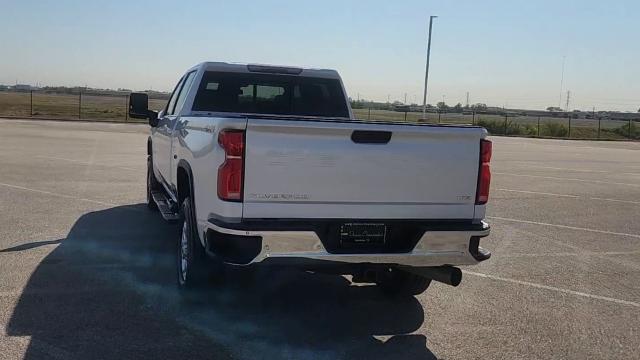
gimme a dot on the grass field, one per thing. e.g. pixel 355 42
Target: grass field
pixel 65 106
pixel 516 125
pixel 114 108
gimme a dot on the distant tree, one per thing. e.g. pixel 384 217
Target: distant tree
pixel 554 108
pixel 357 104
pixel 457 107
pixel 479 106
pixel 638 110
pixel 442 106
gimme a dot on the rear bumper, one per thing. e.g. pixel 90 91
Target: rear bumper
pixel 438 246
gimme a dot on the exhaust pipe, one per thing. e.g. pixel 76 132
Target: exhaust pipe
pixel 445 274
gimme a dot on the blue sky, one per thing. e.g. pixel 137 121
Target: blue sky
pixel 502 52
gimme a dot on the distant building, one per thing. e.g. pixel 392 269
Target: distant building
pixel 401 107
pixel 21 87
pixel 624 116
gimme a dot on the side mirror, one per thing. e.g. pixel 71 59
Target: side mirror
pixel 139 108
pixel 138 105
pixel 153 118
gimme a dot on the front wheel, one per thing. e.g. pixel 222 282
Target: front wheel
pixel 192 259
pixel 396 282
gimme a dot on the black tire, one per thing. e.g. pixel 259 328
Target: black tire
pixel 401 283
pixel 193 269
pixel 152 185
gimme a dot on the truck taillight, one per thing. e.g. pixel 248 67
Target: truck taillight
pixel 484 172
pixel 230 173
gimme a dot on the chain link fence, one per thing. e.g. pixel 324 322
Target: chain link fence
pixel 65 106
pixel 519 125
pixel 113 107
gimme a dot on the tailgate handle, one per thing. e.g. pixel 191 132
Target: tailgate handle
pixel 370 137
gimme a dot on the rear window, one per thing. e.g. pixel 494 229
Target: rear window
pixel 270 94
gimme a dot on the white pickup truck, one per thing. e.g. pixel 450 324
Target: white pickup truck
pixel 267 164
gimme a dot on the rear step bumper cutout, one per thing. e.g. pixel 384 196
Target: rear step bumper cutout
pixel 478 253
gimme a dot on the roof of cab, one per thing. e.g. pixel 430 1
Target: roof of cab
pixel 245 68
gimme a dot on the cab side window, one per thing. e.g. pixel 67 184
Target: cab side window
pixel 182 95
pixel 171 104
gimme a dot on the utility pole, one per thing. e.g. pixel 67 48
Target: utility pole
pixel 467 99
pixel 426 73
pixel 405 98
pixel 568 96
pixel 388 98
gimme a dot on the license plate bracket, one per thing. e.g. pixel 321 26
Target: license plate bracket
pixel 362 234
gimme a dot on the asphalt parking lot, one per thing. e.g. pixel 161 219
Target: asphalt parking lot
pixel 86 271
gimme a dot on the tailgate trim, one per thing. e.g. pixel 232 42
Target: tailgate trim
pixel 295 224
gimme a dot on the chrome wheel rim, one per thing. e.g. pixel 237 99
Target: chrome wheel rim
pixel 184 250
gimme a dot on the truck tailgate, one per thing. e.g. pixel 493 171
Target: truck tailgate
pixel 314 169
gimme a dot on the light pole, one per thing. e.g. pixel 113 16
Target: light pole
pixel 426 73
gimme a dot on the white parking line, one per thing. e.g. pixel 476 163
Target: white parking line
pixel 576 170
pixel 569 254
pixel 569 196
pixel 565 226
pixel 553 288
pixel 539 193
pixel 616 200
pixel 88 163
pixel 568 179
pixel 57 194
pixel 563 169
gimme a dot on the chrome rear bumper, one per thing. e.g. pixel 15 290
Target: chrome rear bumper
pixel 435 248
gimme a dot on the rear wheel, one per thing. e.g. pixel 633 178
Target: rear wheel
pixel 396 282
pixel 192 266
pixel 152 185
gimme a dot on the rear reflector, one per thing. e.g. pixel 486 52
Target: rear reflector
pixel 484 172
pixel 230 172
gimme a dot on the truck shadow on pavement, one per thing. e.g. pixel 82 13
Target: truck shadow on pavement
pixel 107 291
